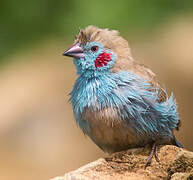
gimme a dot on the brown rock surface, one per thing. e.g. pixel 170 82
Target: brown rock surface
pixel 175 163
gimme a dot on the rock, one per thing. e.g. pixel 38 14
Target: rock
pixel 175 163
pixel 182 176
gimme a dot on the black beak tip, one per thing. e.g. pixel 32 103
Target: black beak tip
pixel 65 53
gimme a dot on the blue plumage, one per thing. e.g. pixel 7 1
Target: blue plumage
pixel 117 102
pixel 136 105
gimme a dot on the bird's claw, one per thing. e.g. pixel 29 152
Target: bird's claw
pixel 152 153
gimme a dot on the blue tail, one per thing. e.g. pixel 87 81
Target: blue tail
pixel 172 113
pixel 177 143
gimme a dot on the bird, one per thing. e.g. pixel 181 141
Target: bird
pixel 117 101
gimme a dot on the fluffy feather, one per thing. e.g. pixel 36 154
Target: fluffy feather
pixel 122 100
pixel 117 101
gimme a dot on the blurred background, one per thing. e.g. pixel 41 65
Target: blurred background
pixel 38 135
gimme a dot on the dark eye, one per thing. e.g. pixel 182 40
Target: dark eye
pixel 94 48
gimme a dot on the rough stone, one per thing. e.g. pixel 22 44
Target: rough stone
pixel 175 163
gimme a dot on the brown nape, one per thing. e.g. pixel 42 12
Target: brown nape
pixel 110 39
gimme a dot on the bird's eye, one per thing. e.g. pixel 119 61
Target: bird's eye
pixel 94 48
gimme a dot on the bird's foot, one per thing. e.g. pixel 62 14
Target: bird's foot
pixel 152 153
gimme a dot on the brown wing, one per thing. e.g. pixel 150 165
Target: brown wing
pixel 142 71
pixel 146 73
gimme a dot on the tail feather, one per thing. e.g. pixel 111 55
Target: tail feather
pixel 172 114
pixel 177 143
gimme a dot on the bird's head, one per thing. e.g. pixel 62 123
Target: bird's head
pixel 97 50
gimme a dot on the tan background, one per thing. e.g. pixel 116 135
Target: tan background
pixel 38 135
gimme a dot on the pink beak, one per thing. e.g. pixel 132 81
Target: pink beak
pixel 75 51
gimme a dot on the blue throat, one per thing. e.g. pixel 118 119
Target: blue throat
pixel 94 90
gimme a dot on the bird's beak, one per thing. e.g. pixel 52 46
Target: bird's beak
pixel 75 51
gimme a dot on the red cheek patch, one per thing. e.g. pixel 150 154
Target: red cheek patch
pixel 102 59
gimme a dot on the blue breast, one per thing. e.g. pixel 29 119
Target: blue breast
pixel 131 96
